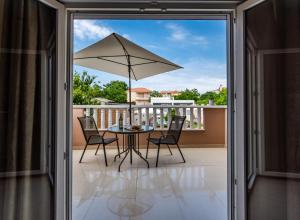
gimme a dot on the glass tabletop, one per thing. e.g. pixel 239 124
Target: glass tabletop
pixel 125 130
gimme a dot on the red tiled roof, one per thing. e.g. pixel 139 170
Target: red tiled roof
pixel 140 90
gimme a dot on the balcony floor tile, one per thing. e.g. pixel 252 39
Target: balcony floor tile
pixel 175 190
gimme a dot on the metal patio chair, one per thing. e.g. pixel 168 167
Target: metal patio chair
pixel 93 137
pixel 170 138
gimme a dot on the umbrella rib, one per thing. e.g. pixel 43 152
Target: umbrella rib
pixel 126 53
pixel 133 73
pixel 170 64
pixel 138 64
pixel 100 58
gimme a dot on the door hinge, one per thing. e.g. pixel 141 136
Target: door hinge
pixel 235 181
pixel 234 20
pixel 65 86
pixel 65 155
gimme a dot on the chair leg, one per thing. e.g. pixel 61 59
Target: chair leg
pixel 83 153
pixel 97 149
pixel 118 148
pixel 181 153
pixel 105 154
pixel 147 149
pixel 170 149
pixel 158 148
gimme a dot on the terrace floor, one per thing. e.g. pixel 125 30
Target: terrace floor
pixel 193 190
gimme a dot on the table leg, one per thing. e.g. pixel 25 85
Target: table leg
pixel 131 148
pixel 118 155
pixel 140 155
pixel 123 159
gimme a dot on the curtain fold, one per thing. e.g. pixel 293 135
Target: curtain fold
pixel 25 29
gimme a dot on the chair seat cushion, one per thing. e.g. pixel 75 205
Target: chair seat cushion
pixel 167 140
pixel 99 140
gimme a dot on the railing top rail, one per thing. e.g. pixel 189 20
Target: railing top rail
pixel 124 106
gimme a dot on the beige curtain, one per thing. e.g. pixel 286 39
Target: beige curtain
pixel 25 27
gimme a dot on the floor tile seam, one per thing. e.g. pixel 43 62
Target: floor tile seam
pixel 92 201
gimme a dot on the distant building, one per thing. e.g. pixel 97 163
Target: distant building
pixel 169 93
pixel 170 101
pixel 103 101
pixel 141 96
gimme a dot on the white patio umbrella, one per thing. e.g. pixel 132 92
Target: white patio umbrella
pixel 117 55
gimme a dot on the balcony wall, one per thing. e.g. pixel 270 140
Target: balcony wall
pixel 212 133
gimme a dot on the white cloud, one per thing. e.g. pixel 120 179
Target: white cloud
pixel 204 75
pixel 89 29
pixel 180 34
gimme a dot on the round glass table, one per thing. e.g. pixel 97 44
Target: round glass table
pixel 131 141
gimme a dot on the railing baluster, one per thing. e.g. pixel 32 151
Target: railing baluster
pixel 191 118
pixel 109 117
pixel 154 118
pixel 161 111
pixel 184 114
pixel 132 116
pixel 199 118
pixel 124 117
pixel 177 111
pixel 95 116
pixel 117 117
pixel 140 116
pixel 169 116
pixel 147 117
pixel 102 118
pixel 87 111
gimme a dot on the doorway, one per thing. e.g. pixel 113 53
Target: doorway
pixel 110 193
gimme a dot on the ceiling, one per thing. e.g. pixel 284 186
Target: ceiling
pixel 153 2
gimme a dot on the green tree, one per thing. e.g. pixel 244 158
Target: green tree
pixel 115 91
pixel 155 93
pixel 219 98
pixel 188 94
pixel 85 89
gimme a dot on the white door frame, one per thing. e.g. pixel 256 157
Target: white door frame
pixel 240 116
pixel 60 180
pixel 228 14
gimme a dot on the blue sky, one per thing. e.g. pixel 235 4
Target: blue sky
pixel 197 45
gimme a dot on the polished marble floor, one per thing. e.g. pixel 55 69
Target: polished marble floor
pixel 194 190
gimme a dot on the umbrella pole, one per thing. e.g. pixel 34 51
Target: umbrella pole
pixel 129 73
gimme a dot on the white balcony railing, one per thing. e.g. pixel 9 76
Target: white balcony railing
pixel 157 116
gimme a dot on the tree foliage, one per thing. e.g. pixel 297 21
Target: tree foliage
pixel 219 98
pixel 188 94
pixel 115 91
pixel 85 89
pixel 155 93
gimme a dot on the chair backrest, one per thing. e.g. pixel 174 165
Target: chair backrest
pixel 88 126
pixel 175 126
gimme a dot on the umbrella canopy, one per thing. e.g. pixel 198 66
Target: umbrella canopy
pixel 111 55
pixel 117 55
